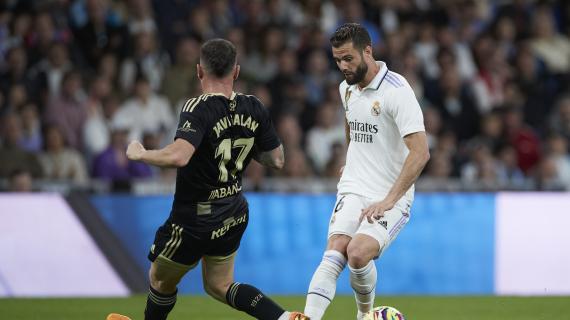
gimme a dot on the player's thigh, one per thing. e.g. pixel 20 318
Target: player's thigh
pixel 175 251
pixel 345 216
pixel 385 229
pixel 218 275
pixel 164 274
pixel 218 260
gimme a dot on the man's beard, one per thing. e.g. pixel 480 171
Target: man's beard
pixel 358 75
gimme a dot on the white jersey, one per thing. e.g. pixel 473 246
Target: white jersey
pixel 379 116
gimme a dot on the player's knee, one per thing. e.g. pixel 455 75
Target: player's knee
pixel 358 256
pixel 217 290
pixel 338 243
pixel 164 286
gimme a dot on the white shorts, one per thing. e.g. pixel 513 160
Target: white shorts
pixel 346 215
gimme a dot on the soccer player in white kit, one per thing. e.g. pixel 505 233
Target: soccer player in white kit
pixel 387 151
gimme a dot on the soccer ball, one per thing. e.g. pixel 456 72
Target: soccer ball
pixel 384 313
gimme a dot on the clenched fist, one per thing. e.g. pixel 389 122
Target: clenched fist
pixel 135 150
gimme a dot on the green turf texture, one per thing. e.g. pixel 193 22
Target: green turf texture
pixel 343 308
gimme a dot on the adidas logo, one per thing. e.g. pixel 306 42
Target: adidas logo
pixel 383 223
pixel 187 127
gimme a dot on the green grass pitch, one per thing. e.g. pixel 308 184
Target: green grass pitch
pixel 343 308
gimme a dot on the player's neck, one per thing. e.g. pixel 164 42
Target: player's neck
pixel 370 74
pixel 224 87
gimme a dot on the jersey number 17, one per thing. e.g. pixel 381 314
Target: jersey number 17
pixel 224 151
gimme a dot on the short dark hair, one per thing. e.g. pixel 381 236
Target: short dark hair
pixel 351 32
pixel 218 57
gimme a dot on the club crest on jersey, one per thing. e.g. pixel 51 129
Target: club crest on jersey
pixel 376 108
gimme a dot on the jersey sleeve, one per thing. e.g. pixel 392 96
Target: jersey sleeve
pixel 406 111
pixel 266 137
pixel 192 125
pixel 344 94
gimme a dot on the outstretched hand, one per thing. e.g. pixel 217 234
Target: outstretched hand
pixel 135 150
pixel 376 210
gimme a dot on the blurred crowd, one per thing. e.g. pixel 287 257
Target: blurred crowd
pixel 79 79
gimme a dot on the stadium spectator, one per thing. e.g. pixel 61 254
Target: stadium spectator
pixel 493 71
pixel 321 138
pixel 15 72
pixel 17 97
pixel 20 181
pixel 510 176
pixel 481 167
pixel 537 86
pixel 560 119
pixel 317 76
pixel 180 79
pixel 147 60
pixel 12 155
pixel 523 138
pixel 547 175
pixel 108 68
pixel 141 19
pixel 439 167
pixel 96 133
pixel 557 149
pixel 454 100
pixel 59 162
pixel 336 161
pixel 112 164
pixel 492 132
pixel 51 69
pixel 44 34
pixel 145 111
pixel 289 130
pixel 433 124
pixel 296 164
pixel 100 34
pixel 549 45
pixel 32 139
pixel 68 110
pixel 261 64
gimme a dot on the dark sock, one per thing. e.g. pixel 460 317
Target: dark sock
pixel 250 300
pixel 158 305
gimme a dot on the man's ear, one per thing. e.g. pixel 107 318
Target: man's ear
pixel 368 50
pixel 199 71
pixel 236 72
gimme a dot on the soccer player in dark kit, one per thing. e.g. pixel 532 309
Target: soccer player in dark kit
pixel 218 134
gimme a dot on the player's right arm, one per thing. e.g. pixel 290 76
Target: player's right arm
pixel 174 155
pixel 269 150
pixel 191 129
pixel 274 158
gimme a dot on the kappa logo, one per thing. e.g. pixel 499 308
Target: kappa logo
pixel 187 127
pixel 376 108
pixel 383 223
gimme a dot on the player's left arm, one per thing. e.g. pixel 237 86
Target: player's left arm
pixel 407 114
pixel 413 166
pixel 174 155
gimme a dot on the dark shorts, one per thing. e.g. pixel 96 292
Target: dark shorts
pixel 185 245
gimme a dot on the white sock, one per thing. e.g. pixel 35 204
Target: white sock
pixel 363 282
pixel 284 316
pixel 323 285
